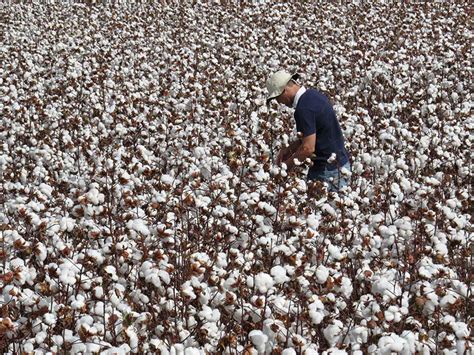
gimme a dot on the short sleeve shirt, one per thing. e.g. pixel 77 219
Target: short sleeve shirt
pixel 314 114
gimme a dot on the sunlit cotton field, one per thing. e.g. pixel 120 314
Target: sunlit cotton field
pixel 141 210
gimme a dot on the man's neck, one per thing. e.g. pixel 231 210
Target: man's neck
pixel 297 96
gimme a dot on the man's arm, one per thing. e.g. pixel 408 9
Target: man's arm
pixel 303 151
pixel 286 152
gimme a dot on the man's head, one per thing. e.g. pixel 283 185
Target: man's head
pixel 282 87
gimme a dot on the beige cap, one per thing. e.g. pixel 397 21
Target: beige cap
pixel 277 82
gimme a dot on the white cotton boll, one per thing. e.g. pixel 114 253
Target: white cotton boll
pixel 177 349
pixel 264 230
pixel 410 340
pixel 208 314
pixel 346 287
pixel 67 274
pixel 359 334
pixel 451 203
pixel 122 350
pixel 193 351
pixel 244 197
pixel 202 201
pixel 389 316
pixel 376 219
pixel 229 284
pixel 441 249
pixel 461 330
pixel 405 184
pixel 138 225
pixel 381 285
pixel 392 343
pixel 460 287
pixel 274 170
pixel 200 152
pixel 460 221
pixel 316 317
pixel 258 338
pixel 93 348
pixel 9 293
pixel 332 158
pixel 387 232
pixel 187 291
pixel 322 274
pixel 210 327
pixel 28 297
pixel 99 308
pixel 261 175
pixel 49 319
pixel 160 197
pixel 86 319
pixel 335 252
pixel 167 179
pixel 68 336
pixel 231 229
pixel 337 351
pixel 279 274
pixel 432 181
pixel 77 302
pixel 288 351
pixel 263 282
pixel 269 209
pixel 357 168
pixel 110 269
pixel 448 213
pixel 164 276
pixel 96 255
pixel 312 221
pixel 40 337
pixel 316 311
pixel 461 347
pixel 98 292
pixel 328 209
pixel 448 300
pixel 161 348
pixel 67 224
pixel 426 271
pixel 35 220
pixel 46 189
pixel 366 158
pixel 303 282
pixel 132 339
pixel 297 162
pixel 58 340
pixel 40 251
pixel 432 300
pixel 95 197
pixel 28 347
pixel 332 332
pixel 403 224
pixel 345 172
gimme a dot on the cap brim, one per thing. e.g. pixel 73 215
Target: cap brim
pixel 270 98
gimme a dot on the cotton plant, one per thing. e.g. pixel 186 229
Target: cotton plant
pixel 142 211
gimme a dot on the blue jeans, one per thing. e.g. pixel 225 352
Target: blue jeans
pixel 334 178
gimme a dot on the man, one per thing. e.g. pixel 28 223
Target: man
pixel 316 120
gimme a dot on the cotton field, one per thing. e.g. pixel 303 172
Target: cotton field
pixel 141 211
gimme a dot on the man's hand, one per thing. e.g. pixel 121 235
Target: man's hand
pixel 282 156
pixel 303 151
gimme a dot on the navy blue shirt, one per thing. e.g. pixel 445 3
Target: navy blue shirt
pixel 315 114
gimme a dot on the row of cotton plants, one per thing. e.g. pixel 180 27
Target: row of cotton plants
pixel 141 211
